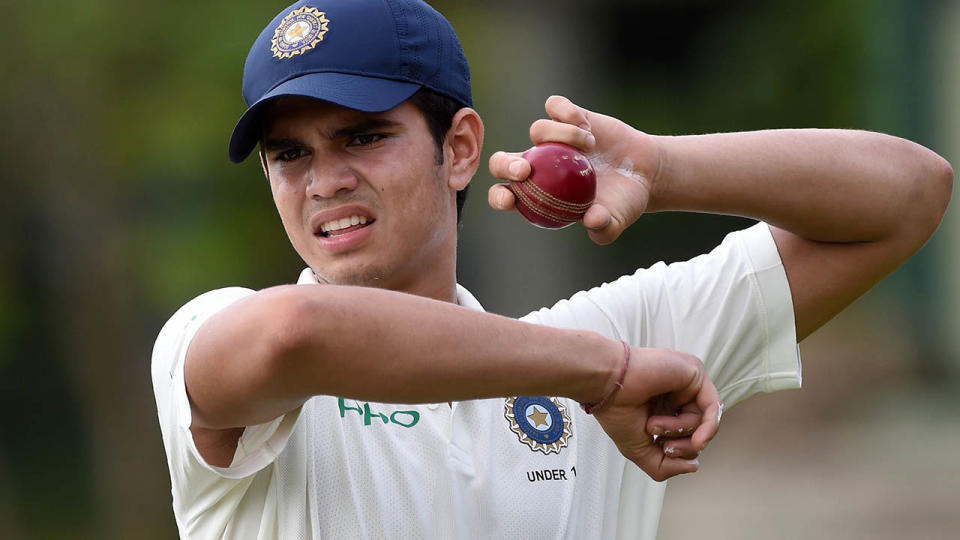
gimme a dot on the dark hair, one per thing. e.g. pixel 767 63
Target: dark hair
pixel 438 111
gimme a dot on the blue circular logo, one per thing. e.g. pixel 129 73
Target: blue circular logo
pixel 538 418
pixel 299 32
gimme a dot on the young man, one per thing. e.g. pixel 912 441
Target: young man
pixel 386 404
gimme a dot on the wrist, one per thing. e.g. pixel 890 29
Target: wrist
pixel 600 371
pixel 659 179
pixel 593 406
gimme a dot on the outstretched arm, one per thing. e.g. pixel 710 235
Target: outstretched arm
pixel 268 353
pixel 845 207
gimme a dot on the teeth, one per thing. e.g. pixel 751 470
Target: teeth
pixel 343 223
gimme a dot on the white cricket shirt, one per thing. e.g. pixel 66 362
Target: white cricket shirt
pixel 521 467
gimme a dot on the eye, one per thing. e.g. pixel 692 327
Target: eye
pixel 366 139
pixel 290 154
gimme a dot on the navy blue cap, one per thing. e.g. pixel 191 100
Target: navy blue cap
pixel 368 55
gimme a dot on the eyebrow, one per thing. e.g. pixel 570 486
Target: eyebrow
pixel 350 130
pixel 363 126
pixel 272 145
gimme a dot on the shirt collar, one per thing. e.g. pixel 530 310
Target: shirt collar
pixel 307 278
pixel 464 297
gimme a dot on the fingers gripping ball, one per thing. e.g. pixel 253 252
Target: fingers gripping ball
pixel 560 189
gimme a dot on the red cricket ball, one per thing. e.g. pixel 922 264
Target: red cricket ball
pixel 561 186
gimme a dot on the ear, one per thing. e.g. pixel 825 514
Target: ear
pixel 462 147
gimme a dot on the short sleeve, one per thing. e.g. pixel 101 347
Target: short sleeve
pixel 731 307
pixel 196 483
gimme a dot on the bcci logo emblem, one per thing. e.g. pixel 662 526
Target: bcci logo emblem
pixel 299 32
pixel 540 422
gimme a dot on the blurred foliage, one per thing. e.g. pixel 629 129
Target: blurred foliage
pixel 121 204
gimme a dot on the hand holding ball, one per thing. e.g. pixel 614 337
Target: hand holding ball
pixel 560 188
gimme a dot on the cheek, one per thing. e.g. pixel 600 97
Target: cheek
pixel 420 195
pixel 288 204
pixel 427 206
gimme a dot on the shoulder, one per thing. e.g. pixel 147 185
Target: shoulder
pixel 181 326
pixel 210 301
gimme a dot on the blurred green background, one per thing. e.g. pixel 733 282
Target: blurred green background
pixel 120 205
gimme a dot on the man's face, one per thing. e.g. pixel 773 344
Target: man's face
pixel 361 195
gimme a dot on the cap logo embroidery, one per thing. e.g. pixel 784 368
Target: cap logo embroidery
pixel 539 422
pixel 299 32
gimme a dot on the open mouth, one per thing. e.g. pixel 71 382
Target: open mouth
pixel 342 226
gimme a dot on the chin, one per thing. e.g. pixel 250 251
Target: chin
pixel 362 276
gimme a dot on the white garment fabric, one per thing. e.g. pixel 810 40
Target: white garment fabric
pixel 521 467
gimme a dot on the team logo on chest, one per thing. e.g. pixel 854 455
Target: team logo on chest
pixel 299 32
pixel 540 422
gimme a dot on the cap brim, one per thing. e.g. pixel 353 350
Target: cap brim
pixel 368 94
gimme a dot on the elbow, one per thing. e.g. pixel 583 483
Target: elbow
pixel 939 190
pixel 946 183
pixel 927 198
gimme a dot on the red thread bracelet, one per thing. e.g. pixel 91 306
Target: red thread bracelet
pixel 590 408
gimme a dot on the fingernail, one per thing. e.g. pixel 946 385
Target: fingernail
pixel 680 430
pixel 591 140
pixel 669 450
pixel 501 199
pixel 694 462
pixel 657 431
pixel 515 169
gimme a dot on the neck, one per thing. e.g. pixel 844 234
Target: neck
pixel 445 292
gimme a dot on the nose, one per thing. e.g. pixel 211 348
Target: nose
pixel 329 178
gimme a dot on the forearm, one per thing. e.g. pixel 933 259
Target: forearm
pixel 824 185
pixel 846 207
pixel 271 352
